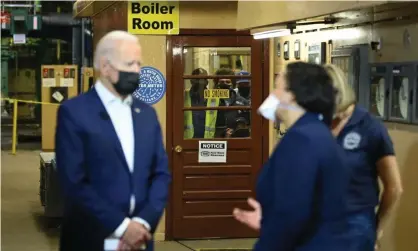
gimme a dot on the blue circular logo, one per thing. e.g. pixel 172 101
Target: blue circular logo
pixel 151 85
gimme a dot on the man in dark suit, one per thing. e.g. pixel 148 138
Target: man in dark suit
pixel 110 157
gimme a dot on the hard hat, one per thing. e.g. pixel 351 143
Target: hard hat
pixel 243 73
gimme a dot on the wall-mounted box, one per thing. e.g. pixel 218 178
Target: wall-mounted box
pixel 354 62
pixel 401 91
pixel 317 53
pixel 87 76
pixel 379 90
pixel 59 83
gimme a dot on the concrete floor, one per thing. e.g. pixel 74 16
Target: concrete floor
pixel 24 228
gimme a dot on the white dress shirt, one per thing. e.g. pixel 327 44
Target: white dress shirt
pixel 120 114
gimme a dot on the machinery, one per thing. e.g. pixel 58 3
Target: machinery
pixel 353 61
pixel 87 77
pixel 49 189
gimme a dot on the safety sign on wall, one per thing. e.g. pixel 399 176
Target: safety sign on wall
pixel 151 85
pixel 68 77
pixel 212 151
pixel 48 77
pixel 216 93
pixel 153 17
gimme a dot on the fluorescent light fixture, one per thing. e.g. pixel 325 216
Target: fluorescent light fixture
pixel 272 33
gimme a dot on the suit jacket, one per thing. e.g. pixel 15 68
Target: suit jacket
pixel 94 174
pixel 302 191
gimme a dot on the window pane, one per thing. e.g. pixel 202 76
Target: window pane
pixel 209 124
pixel 216 92
pixel 400 97
pixel 377 96
pixel 211 59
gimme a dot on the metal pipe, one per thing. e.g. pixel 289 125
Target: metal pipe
pixel 76 48
pixel 58 42
pixel 37 6
pixel 76 53
pixel 21 5
pixel 14 132
pixel 83 42
pixel 60 19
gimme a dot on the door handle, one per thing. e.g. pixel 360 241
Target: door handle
pixel 178 149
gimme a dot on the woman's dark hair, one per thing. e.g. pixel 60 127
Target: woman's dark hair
pixel 312 87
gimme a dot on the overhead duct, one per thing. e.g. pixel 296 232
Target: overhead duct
pixel 60 19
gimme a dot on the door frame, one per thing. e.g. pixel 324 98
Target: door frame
pixel 169 100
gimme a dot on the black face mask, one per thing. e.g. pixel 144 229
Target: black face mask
pixel 244 91
pixel 128 83
pixel 223 86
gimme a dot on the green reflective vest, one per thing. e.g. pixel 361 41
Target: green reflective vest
pixel 210 119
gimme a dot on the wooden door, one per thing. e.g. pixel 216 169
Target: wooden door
pixel 204 194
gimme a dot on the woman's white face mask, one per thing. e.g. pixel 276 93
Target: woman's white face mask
pixel 269 107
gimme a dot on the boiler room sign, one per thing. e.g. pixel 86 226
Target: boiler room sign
pixel 153 17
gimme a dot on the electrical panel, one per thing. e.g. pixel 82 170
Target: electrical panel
pixel 354 62
pixel 59 83
pixel 87 76
pixel 317 53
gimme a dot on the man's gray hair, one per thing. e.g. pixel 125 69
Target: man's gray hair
pixel 108 45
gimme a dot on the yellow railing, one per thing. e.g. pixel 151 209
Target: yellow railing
pixel 15 111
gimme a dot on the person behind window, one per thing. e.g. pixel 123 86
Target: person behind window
pixel 301 190
pixel 194 121
pixel 238 128
pixel 370 156
pixel 224 83
pixel 244 86
pixel 223 116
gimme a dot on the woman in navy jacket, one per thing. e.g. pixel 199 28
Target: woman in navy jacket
pixel 301 189
pixel 370 156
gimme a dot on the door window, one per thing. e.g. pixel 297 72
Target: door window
pixel 217 92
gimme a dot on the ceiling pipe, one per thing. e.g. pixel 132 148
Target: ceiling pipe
pixel 20 5
pixel 60 19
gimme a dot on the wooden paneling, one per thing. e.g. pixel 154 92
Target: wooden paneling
pixel 113 17
pixel 217 207
pixel 217 169
pixel 216 182
pixel 207 195
pixel 234 157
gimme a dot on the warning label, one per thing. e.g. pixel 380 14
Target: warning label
pixel 212 151
pixel 216 93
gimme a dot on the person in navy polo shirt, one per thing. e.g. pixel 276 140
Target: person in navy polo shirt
pixel 301 189
pixel 370 155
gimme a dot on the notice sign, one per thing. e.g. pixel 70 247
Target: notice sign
pixel 68 78
pixel 153 17
pixel 216 93
pixel 212 151
pixel 48 77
